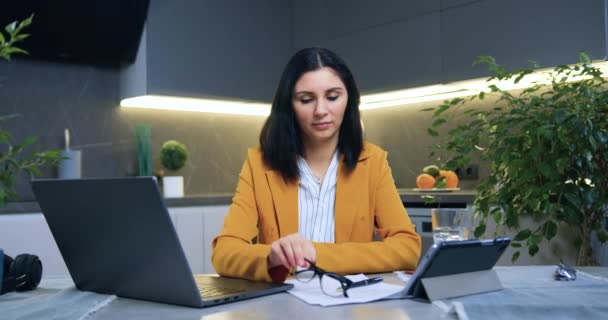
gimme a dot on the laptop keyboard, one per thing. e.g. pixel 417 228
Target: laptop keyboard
pixel 208 291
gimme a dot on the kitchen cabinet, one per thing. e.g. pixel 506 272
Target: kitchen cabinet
pixel 29 233
pixel 195 226
pixel 550 32
pixel 404 44
pixel 390 46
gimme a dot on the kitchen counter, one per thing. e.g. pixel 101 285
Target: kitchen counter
pixel 415 198
pixel 410 198
pixel 187 201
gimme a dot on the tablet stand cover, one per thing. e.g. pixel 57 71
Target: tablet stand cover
pixel 461 284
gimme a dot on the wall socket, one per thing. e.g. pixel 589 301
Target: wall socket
pixel 470 172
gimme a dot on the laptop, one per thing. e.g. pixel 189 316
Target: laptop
pixel 116 237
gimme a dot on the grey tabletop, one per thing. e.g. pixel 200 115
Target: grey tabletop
pixel 530 292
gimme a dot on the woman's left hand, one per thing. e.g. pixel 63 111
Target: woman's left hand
pixel 290 251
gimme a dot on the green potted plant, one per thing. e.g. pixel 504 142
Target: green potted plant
pixel 547 147
pixel 13 157
pixel 173 156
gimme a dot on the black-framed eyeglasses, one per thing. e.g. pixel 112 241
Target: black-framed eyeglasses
pixel 332 284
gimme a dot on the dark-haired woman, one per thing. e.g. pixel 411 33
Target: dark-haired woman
pixel 314 189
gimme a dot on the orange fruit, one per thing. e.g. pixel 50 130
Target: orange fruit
pixel 450 177
pixel 425 181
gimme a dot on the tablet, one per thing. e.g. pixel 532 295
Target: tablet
pixel 453 257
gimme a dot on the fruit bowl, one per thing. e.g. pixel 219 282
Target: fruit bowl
pixel 433 178
pixel 436 190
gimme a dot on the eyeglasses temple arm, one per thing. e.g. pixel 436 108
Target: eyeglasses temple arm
pixel 366 282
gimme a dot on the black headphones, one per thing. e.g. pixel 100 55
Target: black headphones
pixel 21 274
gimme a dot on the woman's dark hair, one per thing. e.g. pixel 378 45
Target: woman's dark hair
pixel 281 137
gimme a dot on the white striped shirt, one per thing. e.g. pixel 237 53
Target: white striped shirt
pixel 316 202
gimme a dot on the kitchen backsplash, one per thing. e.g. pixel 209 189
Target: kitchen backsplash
pixel 47 98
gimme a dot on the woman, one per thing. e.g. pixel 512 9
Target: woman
pixel 314 190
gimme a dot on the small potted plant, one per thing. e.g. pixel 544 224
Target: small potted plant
pixel 173 156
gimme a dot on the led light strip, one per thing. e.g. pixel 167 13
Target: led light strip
pixel 198 105
pixel 372 101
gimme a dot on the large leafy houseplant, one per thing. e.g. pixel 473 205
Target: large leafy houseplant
pixel 547 147
pixel 13 157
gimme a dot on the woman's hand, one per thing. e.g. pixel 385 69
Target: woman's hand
pixel 290 251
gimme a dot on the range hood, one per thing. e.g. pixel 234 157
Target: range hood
pixel 99 32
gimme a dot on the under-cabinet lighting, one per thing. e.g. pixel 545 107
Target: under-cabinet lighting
pixel 395 98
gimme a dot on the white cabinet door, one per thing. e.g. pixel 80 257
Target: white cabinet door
pixel 29 233
pixel 195 226
pixel 188 222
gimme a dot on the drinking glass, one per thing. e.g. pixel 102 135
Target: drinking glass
pixel 451 224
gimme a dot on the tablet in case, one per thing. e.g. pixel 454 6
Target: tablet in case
pixel 457 268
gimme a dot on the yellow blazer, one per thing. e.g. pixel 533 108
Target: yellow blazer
pixel 265 208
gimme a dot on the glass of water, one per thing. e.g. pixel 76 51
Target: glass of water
pixel 450 224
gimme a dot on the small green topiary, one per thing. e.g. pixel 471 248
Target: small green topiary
pixel 173 155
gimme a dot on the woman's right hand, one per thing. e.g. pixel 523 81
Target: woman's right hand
pixel 290 251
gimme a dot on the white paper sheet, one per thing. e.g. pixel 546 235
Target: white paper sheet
pixel 311 292
pixel 405 277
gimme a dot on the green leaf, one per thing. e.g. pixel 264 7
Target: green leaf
pixel 441 183
pixel 456 101
pixel 546 170
pixel 27 21
pixel 30 140
pixel 33 171
pixel 583 57
pixel 10 28
pixel 521 76
pixel 432 132
pixel 439 121
pixel 515 244
pixel 532 250
pixel 428 199
pixel 22 36
pixel 522 235
pixel 494 88
pixel 5 137
pixel 2 39
pixel 442 108
pixel 534 239
pixel 479 230
pixel 515 256
pixel 496 214
pixel 549 229
pixel 13 50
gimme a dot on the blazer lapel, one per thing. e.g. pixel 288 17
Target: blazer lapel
pixel 285 200
pixel 350 188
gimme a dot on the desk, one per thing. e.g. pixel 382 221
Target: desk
pixel 519 282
